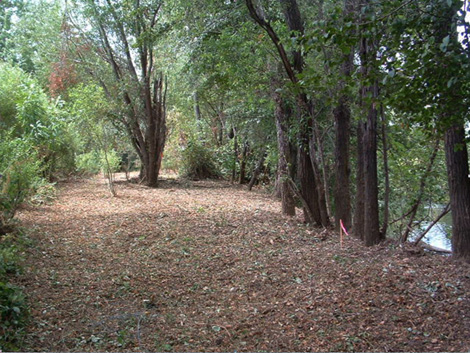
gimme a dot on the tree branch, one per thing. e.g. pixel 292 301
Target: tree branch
pixel 275 39
pixel 433 223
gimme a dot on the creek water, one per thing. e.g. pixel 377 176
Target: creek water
pixel 439 235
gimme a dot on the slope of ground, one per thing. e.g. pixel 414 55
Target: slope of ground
pixel 205 266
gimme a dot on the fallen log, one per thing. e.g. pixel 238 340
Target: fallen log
pixel 433 248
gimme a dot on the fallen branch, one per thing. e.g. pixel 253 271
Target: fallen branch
pixel 433 248
pixel 433 223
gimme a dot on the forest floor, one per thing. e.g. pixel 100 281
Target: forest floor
pixel 208 266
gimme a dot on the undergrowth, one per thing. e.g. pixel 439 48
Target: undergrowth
pixel 13 307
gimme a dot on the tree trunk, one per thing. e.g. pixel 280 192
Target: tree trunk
pixel 282 117
pixel 369 99
pixel 155 133
pixel 235 156
pixel 320 190
pixel 293 68
pixel 197 109
pixel 358 226
pixel 342 116
pixel 386 212
pixel 308 187
pixel 257 170
pixel 371 230
pixel 243 164
pixel 459 190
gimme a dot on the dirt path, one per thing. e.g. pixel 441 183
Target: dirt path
pixel 205 266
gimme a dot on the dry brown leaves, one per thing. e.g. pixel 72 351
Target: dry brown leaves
pixel 205 266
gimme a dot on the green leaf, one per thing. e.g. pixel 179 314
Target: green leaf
pixel 444 44
pixel 451 82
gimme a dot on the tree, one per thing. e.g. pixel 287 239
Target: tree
pixel 433 74
pixel 342 116
pixel 283 115
pixel 124 41
pixel 455 139
pixel 367 131
pixel 312 190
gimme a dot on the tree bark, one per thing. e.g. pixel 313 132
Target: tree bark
pixel 369 99
pixel 306 176
pixel 242 177
pixel 308 187
pixel 459 190
pixel 320 194
pixel 358 226
pixel 282 126
pixel 197 109
pixel 257 170
pixel 371 230
pixel 386 212
pixel 156 131
pixel 235 156
pixel 342 115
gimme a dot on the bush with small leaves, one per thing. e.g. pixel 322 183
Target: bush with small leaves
pixel 20 170
pixel 197 162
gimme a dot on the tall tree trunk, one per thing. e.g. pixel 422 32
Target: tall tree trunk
pixel 235 156
pixel 459 190
pixel 242 177
pixel 371 230
pixel 320 190
pixel 282 126
pixel 308 187
pixel 197 109
pixel 156 131
pixel 369 99
pixel 342 114
pixel 358 226
pixel 386 212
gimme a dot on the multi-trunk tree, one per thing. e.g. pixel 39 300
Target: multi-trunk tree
pixel 312 189
pixel 124 39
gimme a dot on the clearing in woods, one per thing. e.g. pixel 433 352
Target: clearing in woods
pixel 206 266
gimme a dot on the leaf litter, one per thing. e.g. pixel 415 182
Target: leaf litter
pixel 208 266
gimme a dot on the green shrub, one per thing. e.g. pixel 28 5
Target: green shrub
pixel 20 176
pixel 89 163
pixel 93 162
pixel 110 160
pixel 225 159
pixel 13 306
pixel 8 261
pixel 13 315
pixel 197 162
